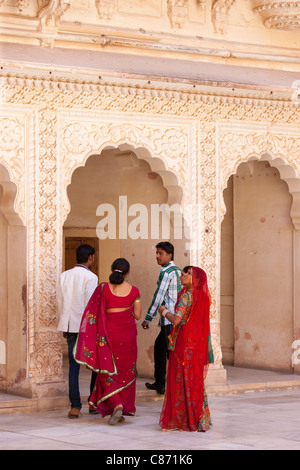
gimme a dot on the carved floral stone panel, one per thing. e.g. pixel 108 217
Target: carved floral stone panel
pixel 14 131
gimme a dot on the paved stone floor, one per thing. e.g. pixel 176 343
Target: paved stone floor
pixel 247 421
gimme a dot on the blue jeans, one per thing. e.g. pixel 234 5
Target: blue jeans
pixel 74 368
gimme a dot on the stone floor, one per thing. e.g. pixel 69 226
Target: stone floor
pixel 252 420
pixel 248 421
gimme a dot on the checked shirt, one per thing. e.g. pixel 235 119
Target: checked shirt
pixel 168 287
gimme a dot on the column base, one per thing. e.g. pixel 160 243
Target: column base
pixel 49 390
pixel 216 375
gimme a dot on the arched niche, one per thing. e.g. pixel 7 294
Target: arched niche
pixel 102 178
pixel 257 264
pixel 13 297
pixel 157 165
pixel 288 173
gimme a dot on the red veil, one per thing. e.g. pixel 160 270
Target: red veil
pixel 92 334
pixel 188 364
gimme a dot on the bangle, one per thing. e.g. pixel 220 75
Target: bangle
pixel 164 312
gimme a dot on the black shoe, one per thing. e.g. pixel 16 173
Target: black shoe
pixel 159 388
pixel 151 386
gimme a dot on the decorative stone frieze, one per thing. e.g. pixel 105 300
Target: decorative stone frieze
pixel 177 12
pixel 106 8
pixel 49 16
pixel 281 15
pixel 21 4
pixel 220 13
pixel 51 13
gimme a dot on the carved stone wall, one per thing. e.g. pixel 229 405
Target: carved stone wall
pixel 187 24
pixel 198 139
pixel 14 133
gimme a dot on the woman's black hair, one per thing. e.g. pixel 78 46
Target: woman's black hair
pixel 119 268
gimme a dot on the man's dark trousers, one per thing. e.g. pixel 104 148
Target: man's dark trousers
pixel 161 353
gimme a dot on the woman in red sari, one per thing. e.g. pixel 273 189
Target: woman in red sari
pixel 107 343
pixel 185 405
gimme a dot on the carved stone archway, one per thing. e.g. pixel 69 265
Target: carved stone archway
pixel 280 146
pixel 170 180
pixel 168 146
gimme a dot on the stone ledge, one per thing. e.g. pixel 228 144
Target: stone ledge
pixel 215 390
pixel 18 405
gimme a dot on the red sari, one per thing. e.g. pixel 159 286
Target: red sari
pixel 107 344
pixel 185 405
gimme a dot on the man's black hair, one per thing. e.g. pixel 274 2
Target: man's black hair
pixel 167 247
pixel 83 252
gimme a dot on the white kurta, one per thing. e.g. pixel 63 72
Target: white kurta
pixel 75 289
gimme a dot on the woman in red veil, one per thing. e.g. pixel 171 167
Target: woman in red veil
pixel 185 405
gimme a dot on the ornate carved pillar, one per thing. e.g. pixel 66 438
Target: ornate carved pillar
pixel 210 245
pixel 46 355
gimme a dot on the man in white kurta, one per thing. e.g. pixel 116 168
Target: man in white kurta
pixel 75 289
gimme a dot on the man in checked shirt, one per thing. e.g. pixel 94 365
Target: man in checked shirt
pixel 168 287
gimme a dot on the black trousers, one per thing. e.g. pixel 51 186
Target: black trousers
pixel 161 354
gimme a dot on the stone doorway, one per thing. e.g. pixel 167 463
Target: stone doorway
pixel 257 269
pixel 107 182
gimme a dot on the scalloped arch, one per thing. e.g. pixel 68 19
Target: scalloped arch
pixel 157 165
pixel 9 195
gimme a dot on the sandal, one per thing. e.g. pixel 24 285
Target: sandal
pixel 117 414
